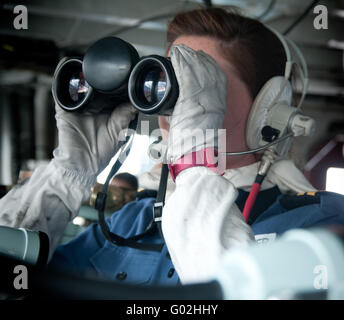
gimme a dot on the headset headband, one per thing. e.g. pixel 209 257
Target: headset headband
pixel 289 63
pixel 301 66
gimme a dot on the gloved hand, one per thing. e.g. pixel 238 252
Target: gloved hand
pixel 87 142
pixel 201 104
pixel 200 219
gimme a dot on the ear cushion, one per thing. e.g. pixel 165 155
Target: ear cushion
pixel 261 106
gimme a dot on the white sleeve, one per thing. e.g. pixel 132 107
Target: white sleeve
pixel 46 202
pixel 200 221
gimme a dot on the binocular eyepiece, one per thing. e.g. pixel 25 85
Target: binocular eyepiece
pixel 111 73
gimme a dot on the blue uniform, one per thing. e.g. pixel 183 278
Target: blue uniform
pixel 273 213
pixel 90 253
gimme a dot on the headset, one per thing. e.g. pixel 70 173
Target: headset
pixel 273 121
pixel 273 108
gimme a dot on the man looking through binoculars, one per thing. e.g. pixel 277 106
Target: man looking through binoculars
pixel 222 62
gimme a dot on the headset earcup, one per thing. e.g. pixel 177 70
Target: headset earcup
pixel 261 106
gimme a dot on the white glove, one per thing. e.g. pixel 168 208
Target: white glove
pixel 53 194
pixel 87 142
pixel 201 104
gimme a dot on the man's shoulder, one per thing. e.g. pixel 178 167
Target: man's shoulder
pixel 302 210
pixel 325 199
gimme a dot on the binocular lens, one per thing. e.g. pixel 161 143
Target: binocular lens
pixel 70 88
pixel 154 85
pixel 153 88
pixel 78 87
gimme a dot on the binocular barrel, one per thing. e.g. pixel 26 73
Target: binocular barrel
pixel 111 73
pixel 31 247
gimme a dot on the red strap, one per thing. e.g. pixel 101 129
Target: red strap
pixel 201 158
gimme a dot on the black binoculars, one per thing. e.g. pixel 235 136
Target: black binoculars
pixel 110 73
